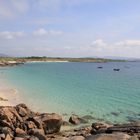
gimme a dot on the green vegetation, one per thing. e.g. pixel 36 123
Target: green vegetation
pixel 44 58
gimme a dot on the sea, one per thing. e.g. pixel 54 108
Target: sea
pixel 79 88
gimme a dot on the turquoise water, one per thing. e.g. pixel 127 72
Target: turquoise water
pixel 80 88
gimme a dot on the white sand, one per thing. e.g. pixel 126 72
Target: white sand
pixel 55 61
pixel 8 92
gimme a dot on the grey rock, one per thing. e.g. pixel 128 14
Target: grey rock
pixel 128 128
pixel 115 136
pixel 74 119
pixel 51 122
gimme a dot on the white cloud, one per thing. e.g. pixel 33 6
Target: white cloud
pixel 125 48
pixel 125 43
pixel 98 42
pixel 40 32
pixel 129 43
pixel 10 35
pixel 43 32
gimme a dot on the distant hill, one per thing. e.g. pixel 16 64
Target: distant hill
pixel 3 55
pixel 116 58
pixel 122 58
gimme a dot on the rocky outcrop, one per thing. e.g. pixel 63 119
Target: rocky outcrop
pixel 98 128
pixel 10 63
pixel 101 131
pixel 128 128
pixel 85 133
pixel 20 122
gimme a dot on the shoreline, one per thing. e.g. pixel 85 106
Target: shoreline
pixel 20 123
pixel 47 61
pixel 52 126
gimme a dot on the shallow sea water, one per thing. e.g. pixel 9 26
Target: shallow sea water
pixel 79 88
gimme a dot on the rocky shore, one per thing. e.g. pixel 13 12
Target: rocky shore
pixel 10 63
pixel 21 123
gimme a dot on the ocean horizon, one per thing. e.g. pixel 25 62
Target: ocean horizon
pixel 79 88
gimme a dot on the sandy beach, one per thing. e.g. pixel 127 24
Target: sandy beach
pixel 45 61
pixel 8 95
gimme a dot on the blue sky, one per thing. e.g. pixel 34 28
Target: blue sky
pixel 70 28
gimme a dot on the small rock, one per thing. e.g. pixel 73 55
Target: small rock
pixel 22 112
pixel 31 125
pixel 20 132
pixel 2 136
pixel 97 126
pixel 4 123
pixel 74 119
pixel 2 99
pixel 6 130
pixel 39 133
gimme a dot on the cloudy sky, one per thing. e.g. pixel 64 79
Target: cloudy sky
pixel 72 28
